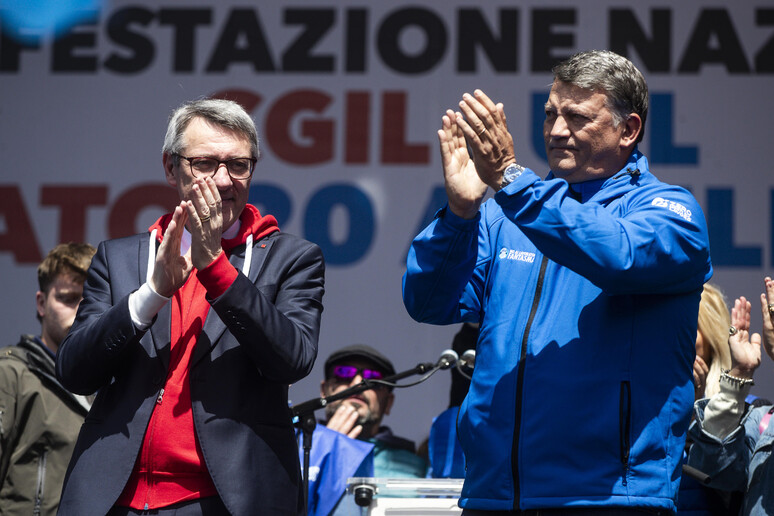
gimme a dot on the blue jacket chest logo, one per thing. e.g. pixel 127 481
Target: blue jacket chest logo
pixel 513 254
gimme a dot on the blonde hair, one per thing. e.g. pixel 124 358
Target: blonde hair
pixel 714 320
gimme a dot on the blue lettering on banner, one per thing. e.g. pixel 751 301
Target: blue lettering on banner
pixel 720 223
pixel 271 200
pixel 361 223
pixel 662 149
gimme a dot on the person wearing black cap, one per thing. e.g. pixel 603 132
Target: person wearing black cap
pixel 360 415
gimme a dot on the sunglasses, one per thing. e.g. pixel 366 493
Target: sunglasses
pixel 346 372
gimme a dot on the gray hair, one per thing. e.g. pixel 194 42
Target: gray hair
pixel 225 113
pixel 626 89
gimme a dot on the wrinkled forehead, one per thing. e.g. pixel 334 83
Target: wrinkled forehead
pixel 565 92
pixel 200 130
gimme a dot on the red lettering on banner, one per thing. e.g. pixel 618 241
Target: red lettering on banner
pixel 394 146
pixel 319 132
pixel 73 201
pixel 358 111
pixel 123 215
pixel 19 237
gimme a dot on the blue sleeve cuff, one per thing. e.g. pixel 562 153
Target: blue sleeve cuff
pixel 525 180
pixel 457 222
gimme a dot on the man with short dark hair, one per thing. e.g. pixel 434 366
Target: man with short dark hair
pixel 191 333
pixel 39 418
pixel 586 286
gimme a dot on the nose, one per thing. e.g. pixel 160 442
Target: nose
pixel 221 177
pixel 559 129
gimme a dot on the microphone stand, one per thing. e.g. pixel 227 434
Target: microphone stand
pixel 304 412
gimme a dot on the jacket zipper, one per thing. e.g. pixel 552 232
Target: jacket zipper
pixel 520 384
pixel 41 483
pixel 625 423
pixel 148 456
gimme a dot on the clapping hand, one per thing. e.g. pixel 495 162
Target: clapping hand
pixel 745 347
pixel 171 270
pixel 206 215
pixel 464 188
pixel 700 372
pixel 767 311
pixel 486 131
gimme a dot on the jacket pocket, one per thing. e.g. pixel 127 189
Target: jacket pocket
pixel 625 426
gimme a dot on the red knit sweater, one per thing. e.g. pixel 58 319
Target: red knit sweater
pixel 170 467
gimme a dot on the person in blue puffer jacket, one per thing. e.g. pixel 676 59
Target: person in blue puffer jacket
pixel 586 285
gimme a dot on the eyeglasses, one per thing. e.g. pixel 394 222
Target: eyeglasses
pixel 346 372
pixel 205 166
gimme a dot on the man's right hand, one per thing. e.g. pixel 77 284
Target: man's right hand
pixel 344 421
pixel 464 187
pixel 171 270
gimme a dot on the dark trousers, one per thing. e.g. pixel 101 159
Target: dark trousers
pixel 210 506
pixel 574 511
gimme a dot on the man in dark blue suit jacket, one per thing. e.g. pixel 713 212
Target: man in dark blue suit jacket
pixel 190 335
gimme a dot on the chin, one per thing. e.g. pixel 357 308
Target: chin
pixel 561 169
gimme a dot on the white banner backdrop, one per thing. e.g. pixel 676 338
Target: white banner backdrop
pixel 347 97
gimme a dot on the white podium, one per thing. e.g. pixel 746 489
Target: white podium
pixel 406 496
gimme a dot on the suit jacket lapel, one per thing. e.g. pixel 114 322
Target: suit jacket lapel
pixel 213 326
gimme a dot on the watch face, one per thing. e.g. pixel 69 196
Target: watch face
pixel 510 173
pixel 513 171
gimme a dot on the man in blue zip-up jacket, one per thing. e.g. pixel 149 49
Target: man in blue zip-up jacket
pixel 587 286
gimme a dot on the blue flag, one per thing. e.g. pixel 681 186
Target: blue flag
pixel 333 459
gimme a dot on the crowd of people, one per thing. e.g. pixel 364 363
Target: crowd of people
pixel 585 294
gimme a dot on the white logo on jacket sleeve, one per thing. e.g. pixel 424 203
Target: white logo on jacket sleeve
pixel 673 206
pixel 512 254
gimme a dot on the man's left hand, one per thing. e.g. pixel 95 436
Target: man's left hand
pixel 486 131
pixel 205 215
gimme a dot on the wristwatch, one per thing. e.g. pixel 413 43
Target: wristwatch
pixel 510 174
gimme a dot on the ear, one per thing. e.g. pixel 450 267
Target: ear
pixel 632 127
pixel 323 390
pixel 40 302
pixel 388 403
pixel 169 168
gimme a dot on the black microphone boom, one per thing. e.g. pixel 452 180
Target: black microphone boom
pixel 318 403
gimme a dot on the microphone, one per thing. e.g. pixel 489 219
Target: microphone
pixel 467 360
pixel 448 358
